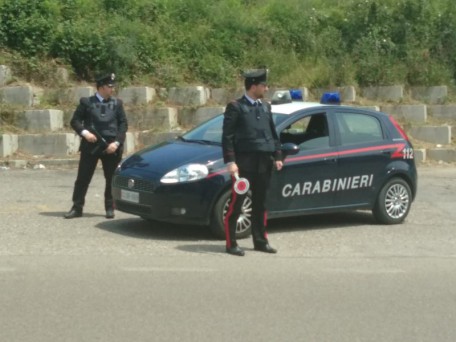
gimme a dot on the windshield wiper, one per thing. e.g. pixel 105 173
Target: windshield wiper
pixel 199 141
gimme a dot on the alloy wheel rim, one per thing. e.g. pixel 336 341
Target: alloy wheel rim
pixel 397 201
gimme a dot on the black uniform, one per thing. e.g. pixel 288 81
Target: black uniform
pixel 105 118
pixel 250 140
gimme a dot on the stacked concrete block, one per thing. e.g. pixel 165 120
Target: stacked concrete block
pixel 385 93
pixel 149 138
pixel 5 75
pixel 165 118
pixel 188 96
pixel 409 113
pixel 137 95
pixel 58 145
pixel 348 94
pixel 62 75
pixel 432 95
pixel 186 117
pixel 374 108
pixel 78 92
pixel 432 134
pixel 205 113
pixel 443 111
pixel 420 155
pixel 8 144
pixel 25 95
pixel 130 143
pixel 220 95
pixel 41 120
pixel 442 154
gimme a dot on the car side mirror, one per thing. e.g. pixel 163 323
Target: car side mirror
pixel 289 149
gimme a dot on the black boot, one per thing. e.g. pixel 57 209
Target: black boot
pixel 74 212
pixel 264 247
pixel 109 213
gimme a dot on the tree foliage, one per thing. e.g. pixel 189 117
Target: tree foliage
pixel 303 42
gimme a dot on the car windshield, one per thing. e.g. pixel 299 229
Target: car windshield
pixel 210 132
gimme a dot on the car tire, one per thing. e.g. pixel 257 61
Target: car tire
pixel 393 202
pixel 244 225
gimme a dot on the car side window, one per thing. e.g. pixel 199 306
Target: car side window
pixel 309 132
pixel 358 128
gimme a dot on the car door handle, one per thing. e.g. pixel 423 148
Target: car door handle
pixel 330 160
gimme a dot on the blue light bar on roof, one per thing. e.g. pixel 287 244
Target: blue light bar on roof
pixel 330 98
pixel 296 94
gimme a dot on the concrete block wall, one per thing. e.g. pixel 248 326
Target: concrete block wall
pixel 47 120
pixel 8 144
pixel 57 144
pixel 188 96
pixel 431 95
pixel 24 95
pixel 137 95
pixel 432 134
pixel 189 107
pixel 5 75
pixel 442 154
pixel 443 111
pixel 409 113
pixel 387 93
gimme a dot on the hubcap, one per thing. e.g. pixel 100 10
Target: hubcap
pixel 397 201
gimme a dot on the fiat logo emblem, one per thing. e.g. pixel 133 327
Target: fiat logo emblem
pixel 131 183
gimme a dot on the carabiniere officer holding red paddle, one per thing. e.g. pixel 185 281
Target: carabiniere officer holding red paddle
pixel 251 148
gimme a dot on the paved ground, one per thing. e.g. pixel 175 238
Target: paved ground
pixel 336 277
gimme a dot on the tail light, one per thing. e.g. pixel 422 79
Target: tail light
pixel 399 128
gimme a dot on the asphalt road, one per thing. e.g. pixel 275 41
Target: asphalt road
pixel 336 277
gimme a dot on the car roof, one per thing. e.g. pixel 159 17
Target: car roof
pixel 289 108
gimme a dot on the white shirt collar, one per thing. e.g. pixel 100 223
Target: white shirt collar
pixel 252 101
pixel 99 97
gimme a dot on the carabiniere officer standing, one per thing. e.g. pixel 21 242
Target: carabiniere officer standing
pixel 251 148
pixel 101 122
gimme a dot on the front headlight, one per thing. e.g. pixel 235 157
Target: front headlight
pixel 186 173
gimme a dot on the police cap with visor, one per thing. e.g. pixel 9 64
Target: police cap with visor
pixel 256 76
pixel 107 79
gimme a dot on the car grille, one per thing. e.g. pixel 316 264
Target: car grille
pixel 140 184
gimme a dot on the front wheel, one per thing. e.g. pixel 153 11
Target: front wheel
pixel 244 223
pixel 393 202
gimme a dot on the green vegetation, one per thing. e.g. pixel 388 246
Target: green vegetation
pixel 314 43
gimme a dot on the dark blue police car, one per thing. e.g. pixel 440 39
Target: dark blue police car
pixel 337 158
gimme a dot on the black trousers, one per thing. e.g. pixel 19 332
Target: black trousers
pixel 259 183
pixel 86 169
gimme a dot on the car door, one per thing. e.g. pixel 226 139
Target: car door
pixel 302 184
pixel 362 158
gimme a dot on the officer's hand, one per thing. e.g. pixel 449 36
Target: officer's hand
pixel 90 137
pixel 232 168
pixel 279 165
pixel 112 148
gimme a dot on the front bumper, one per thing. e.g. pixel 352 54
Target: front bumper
pixel 189 203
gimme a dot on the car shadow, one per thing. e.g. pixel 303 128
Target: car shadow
pixel 61 213
pixel 142 229
pixel 321 221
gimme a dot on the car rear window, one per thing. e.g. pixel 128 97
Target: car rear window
pixel 355 128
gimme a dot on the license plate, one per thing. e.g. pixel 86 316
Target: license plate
pixel 129 196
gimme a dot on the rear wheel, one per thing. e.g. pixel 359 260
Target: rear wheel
pixel 244 224
pixel 393 202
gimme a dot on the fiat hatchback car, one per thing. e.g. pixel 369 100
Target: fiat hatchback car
pixel 337 158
